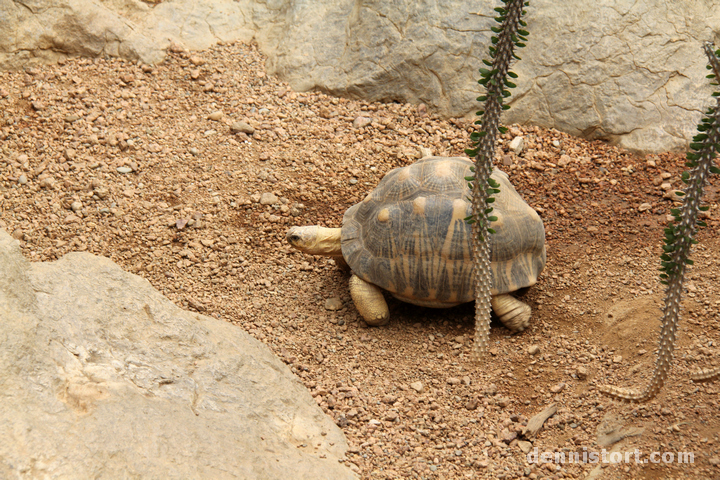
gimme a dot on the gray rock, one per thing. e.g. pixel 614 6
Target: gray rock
pixel 608 78
pixel 102 376
pixel 517 144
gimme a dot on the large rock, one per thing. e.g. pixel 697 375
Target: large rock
pixel 36 31
pixel 103 377
pixel 631 72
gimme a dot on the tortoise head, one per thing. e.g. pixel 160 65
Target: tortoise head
pixel 315 240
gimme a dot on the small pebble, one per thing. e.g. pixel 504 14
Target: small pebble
pixel 564 160
pixel 557 388
pixel 425 152
pixel 361 122
pixel 506 436
pixel 22 179
pixel 216 116
pixel 533 349
pixel 524 446
pixel 417 386
pixel 333 304
pixel 268 198
pixel 124 169
pixel 517 144
pixel 243 127
pixel 391 416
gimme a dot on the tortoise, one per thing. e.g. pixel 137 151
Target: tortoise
pixel 409 237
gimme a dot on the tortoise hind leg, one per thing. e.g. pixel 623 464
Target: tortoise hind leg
pixel 369 301
pixel 513 313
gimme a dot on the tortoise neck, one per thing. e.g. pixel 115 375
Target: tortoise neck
pixel 328 241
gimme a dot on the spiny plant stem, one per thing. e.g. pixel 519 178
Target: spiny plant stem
pixel 495 82
pixel 679 240
pixel 706 375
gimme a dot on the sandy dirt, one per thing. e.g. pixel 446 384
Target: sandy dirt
pixel 190 172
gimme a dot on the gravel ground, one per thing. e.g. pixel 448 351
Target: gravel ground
pixel 189 173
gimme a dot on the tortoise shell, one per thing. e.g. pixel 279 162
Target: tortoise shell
pixel 409 236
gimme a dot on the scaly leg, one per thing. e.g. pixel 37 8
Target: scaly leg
pixel 369 301
pixel 513 313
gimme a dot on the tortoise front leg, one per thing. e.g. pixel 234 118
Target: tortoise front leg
pixel 513 313
pixel 369 301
